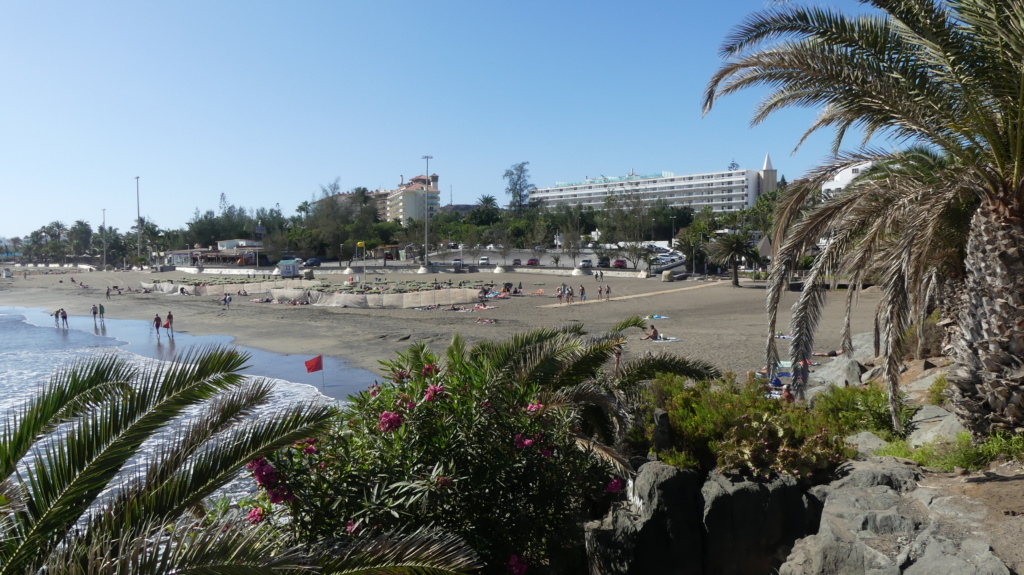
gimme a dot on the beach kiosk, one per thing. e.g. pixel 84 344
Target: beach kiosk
pixel 288 268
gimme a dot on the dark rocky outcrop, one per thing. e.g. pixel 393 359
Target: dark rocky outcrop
pixel 678 523
pixel 659 531
pixel 875 519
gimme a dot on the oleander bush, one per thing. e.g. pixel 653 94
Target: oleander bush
pixel 445 443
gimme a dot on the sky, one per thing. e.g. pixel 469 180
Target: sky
pixel 265 102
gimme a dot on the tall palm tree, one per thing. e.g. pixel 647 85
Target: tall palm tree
pixel 729 250
pixel 948 76
pixel 79 495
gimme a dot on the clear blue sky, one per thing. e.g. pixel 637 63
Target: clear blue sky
pixel 266 101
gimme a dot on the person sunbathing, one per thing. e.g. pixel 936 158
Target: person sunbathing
pixel 831 353
pixel 653 335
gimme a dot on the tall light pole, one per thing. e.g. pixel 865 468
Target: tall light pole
pixel 104 231
pixel 672 239
pixel 138 222
pixel 426 212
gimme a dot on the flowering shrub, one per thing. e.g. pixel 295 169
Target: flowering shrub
pixel 455 447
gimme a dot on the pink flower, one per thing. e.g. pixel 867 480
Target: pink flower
pixel 429 370
pixel 534 408
pixel 545 452
pixel 400 376
pixel 389 421
pixel 374 390
pixel 309 449
pixel 410 405
pixel 280 495
pixel 256 515
pixel 614 486
pixel 522 442
pixel 434 391
pixel 516 566
pixel 351 527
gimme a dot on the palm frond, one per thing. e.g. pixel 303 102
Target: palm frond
pixel 422 552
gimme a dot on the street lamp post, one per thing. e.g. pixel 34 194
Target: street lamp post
pixel 138 222
pixel 104 231
pixel 672 238
pixel 426 212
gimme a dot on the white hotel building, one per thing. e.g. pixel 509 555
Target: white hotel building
pixel 724 191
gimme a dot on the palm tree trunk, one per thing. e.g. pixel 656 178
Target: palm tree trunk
pixel 989 345
pixel 735 273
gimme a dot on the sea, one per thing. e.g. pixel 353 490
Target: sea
pixel 33 349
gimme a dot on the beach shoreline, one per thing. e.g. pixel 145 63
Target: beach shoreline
pixel 713 321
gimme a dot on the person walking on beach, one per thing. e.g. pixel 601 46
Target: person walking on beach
pixel 583 293
pixel 600 292
pixel 607 291
pixel 101 312
pixel 169 324
pixel 156 325
pixel 64 317
pixel 95 311
pixel 108 292
pixel 56 318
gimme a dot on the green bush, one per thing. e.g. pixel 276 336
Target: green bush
pixel 767 443
pixel 451 446
pixel 937 390
pixel 735 426
pixel 864 408
pixel 962 452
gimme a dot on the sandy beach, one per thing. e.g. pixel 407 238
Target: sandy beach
pixel 714 321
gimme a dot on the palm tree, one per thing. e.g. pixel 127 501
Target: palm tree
pixel 78 491
pixel 943 75
pixel 728 250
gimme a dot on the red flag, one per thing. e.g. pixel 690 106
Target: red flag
pixel 315 364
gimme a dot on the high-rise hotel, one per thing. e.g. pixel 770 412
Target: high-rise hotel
pixel 724 191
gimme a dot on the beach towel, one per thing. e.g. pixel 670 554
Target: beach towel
pixel 656 316
pixel 167 324
pixel 666 339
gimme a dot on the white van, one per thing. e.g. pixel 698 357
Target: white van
pixel 484 260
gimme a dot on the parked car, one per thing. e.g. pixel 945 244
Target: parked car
pixel 485 261
pixel 311 263
pixel 533 262
pixel 517 262
pixel 586 263
pixel 457 262
pixel 603 262
pixel 619 264
pixel 388 256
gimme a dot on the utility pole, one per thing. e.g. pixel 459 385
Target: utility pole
pixel 138 222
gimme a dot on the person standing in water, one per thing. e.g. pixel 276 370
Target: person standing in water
pixel 64 317
pixel 169 324
pixel 156 325
pixel 95 312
